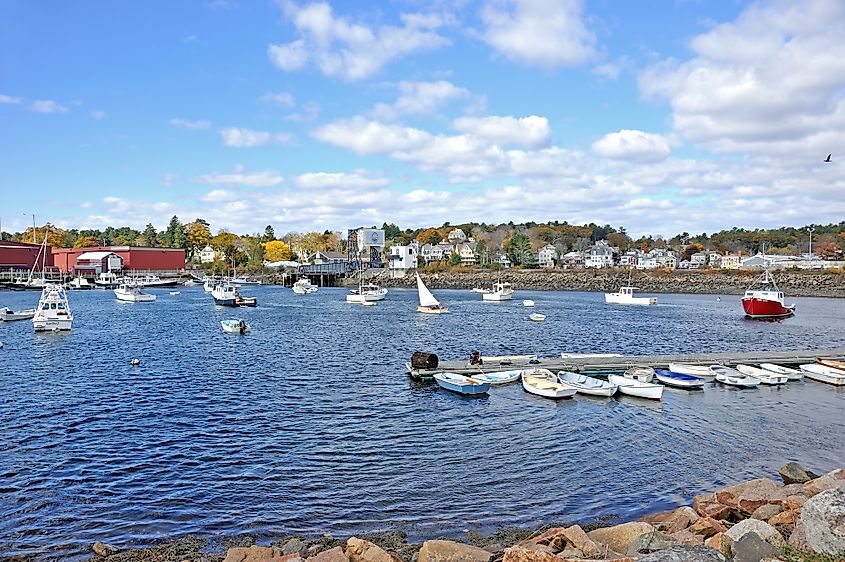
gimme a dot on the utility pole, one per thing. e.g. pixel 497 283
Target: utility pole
pixel 811 229
pixel 33 229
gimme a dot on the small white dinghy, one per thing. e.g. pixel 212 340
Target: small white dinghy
pixel 537 317
pixel 480 290
pixel 821 373
pixel 765 377
pixel 587 385
pixel 642 374
pixel 633 387
pixel 732 377
pixel 174 293
pixel 235 326
pixel 500 377
pixel 428 303
pixel 543 382
pixel 7 315
pixel 528 303
pixel 791 374
pixel 694 370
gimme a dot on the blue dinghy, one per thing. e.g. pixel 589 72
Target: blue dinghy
pixel 679 380
pixel 461 383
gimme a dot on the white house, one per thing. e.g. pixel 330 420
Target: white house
pixel 502 259
pixel 731 261
pixel 697 260
pixel 457 236
pixel 572 259
pixel 402 258
pixel 601 255
pixel 467 253
pixel 207 255
pixel 629 258
pixel 546 256
pixel 318 258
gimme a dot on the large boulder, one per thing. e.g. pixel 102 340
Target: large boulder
pixel 823 521
pixel 765 512
pixel 619 537
pixel 252 553
pixel 756 493
pixel 751 548
pixel 104 549
pixel 576 536
pixel 520 554
pixel 678 520
pixel 295 546
pixel 449 551
pixel 708 506
pixel 794 473
pixel 706 527
pixel 763 530
pixel 651 542
pixel 359 550
pixel 833 479
pixel 684 554
pixel 335 554
pixel 688 537
pixel 720 542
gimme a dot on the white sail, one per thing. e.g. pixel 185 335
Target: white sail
pixel 426 298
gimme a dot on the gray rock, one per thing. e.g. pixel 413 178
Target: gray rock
pixel 685 554
pixel 751 548
pixel 295 546
pixel 761 528
pixel 766 512
pixel 104 549
pixel 823 520
pixel 651 542
pixel 794 473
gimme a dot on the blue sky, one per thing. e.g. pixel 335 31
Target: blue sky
pixel 660 116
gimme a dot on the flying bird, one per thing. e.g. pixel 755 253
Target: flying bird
pixel 828 158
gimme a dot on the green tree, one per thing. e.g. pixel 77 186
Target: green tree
pixel 269 234
pixel 150 236
pixel 174 236
pixel 519 250
pixel 454 258
pixel 391 231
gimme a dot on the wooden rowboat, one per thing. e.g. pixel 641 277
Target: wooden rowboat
pixel 587 385
pixel 543 382
pixel 633 387
pixel 461 384
pixel 679 380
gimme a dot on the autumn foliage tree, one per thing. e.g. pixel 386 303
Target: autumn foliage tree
pixel 428 236
pixel 87 242
pixel 276 250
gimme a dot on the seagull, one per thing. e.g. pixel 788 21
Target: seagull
pixel 828 158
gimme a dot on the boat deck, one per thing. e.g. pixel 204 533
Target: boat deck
pixel 616 363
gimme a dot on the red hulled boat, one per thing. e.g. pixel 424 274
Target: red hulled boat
pixel 766 301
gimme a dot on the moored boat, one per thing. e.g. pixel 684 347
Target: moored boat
pixel 8 315
pixel 643 374
pixel 764 376
pixel 822 373
pixel 499 377
pixel 537 317
pixel 625 295
pixel 500 292
pixel 587 385
pixel 107 280
pixel 702 371
pixel 766 301
pixel 228 295
pixel 79 283
pixel 543 382
pixel 789 373
pixel 366 293
pixel 832 363
pixel 732 377
pixel 127 292
pixel 428 303
pixel 528 303
pixel 304 287
pixel 462 384
pixel 634 387
pixel 235 326
pixel 678 380
pixel 480 290
pixel 53 312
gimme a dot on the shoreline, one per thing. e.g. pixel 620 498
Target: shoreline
pixel 749 521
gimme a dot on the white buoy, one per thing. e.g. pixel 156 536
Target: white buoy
pixel 135 362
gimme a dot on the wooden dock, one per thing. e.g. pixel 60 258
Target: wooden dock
pixel 609 363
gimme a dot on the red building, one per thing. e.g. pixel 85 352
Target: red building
pixel 155 260
pixel 17 255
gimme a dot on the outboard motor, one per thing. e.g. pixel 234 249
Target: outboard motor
pixel 475 358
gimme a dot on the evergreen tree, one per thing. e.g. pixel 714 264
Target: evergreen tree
pixel 269 234
pixel 150 235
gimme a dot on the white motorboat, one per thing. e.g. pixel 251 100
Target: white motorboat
pixel 235 326
pixel 789 373
pixel 428 303
pixel 642 374
pixel 537 317
pixel 625 295
pixel 480 290
pixel 500 292
pixel 765 377
pixel 127 292
pixel 500 377
pixel 242 280
pixel 543 382
pixel 208 284
pixel 633 387
pixel 174 293
pixel 822 373
pixel 587 385
pixel 228 295
pixel 732 377
pixel 150 281
pixel 366 293
pixel 107 280
pixel 694 370
pixel 53 312
pixel 79 283
pixel 304 287
pixel 528 303
pixel 8 315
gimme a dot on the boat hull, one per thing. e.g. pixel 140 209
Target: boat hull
pixel 496 297
pixel 633 387
pixel 432 310
pixel 614 298
pixel 762 308
pixel 460 384
pixel 358 299
pixel 225 302
pixel 546 388
pixel 791 374
pixel 820 373
pixel 52 324
pixel 502 377
pixel 693 370
pixel 678 380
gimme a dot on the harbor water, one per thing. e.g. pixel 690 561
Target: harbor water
pixel 309 424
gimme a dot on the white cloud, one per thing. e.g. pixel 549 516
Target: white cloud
pixel 168 178
pixel 10 99
pixel 239 137
pixel 531 131
pixel 199 125
pixel 356 180
pixel 47 106
pixel 98 115
pixel 284 99
pixel 240 176
pixel 545 33
pixel 771 82
pixel 632 145
pixel 309 112
pixel 218 196
pixel 371 137
pixel 353 51
pixel 420 98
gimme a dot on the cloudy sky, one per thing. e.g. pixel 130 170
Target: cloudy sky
pixel 663 116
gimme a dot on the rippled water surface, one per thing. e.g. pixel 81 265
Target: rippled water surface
pixel 310 425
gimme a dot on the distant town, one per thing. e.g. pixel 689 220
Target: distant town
pixel 551 245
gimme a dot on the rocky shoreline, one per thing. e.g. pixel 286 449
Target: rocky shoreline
pixel 794 284
pixel 802 519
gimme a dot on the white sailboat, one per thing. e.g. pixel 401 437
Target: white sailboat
pixel 53 313
pixel 428 303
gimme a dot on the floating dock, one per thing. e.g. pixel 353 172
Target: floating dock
pixel 612 363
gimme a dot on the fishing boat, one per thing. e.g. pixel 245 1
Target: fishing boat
pixel 79 283
pixel 242 280
pixel 107 280
pixel 304 287
pixel 528 303
pixel 500 377
pixel 537 317
pixel 587 385
pixel 500 292
pixel 789 373
pixel 132 293
pixel 151 281
pixel 366 293
pixel 480 290
pixel 642 374
pixel 832 363
pixel 543 382
pixel 228 295
pixel 428 303
pixel 764 376
pixel 678 380
pixel 702 371
pixel 235 326
pixel 625 295
pixel 53 312
pixel 732 377
pixel 765 301
pixel 8 315
pixel 461 384
pixel 208 284
pixel 634 387
pixel 821 373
